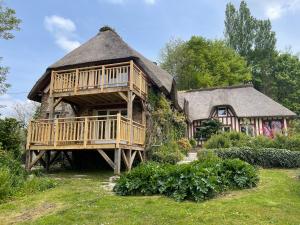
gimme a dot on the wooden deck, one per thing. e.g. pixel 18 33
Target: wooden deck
pixel 107 78
pixel 92 132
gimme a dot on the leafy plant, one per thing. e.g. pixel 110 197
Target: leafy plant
pixel 196 181
pixel 208 128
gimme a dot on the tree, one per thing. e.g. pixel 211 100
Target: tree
pixel 287 81
pixel 26 111
pixel 201 63
pixel 8 23
pixel 254 40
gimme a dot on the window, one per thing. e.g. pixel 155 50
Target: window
pixel 222 111
pixel 247 129
pixel 226 128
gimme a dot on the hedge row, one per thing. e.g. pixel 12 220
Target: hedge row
pixel 196 181
pixel 264 157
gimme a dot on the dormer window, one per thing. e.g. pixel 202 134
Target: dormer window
pixel 222 111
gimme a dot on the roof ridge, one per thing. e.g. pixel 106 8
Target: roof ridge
pixel 215 88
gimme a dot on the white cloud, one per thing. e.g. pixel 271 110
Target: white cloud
pixel 275 9
pixel 63 30
pixel 6 105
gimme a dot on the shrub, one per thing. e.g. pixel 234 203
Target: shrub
pixel 195 181
pixel 167 153
pixel 184 145
pixel 227 139
pixel 265 157
pixel 5 183
pixel 237 139
pixel 35 184
pixel 193 143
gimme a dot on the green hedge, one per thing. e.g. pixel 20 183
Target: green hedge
pixel 237 139
pixel 264 157
pixel 196 181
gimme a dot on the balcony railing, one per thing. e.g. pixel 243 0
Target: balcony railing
pixel 99 78
pixel 85 132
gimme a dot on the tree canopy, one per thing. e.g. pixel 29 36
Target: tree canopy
pixel 8 23
pixel 199 63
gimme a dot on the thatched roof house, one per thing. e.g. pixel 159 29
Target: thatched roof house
pixel 106 47
pixel 232 105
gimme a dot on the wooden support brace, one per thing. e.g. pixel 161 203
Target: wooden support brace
pixel 68 158
pixel 132 158
pixel 106 157
pixel 57 153
pixel 42 161
pixel 141 156
pixel 57 102
pixel 123 96
pixel 41 153
pixel 125 159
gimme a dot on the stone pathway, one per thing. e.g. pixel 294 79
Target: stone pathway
pixel 109 186
pixel 192 156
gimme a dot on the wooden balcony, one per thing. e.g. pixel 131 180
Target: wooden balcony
pixel 99 79
pixel 93 132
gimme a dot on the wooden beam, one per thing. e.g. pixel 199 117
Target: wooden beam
pixel 132 158
pixel 57 102
pixel 28 160
pixel 125 159
pixel 57 153
pixel 51 107
pixel 133 97
pixel 41 153
pixel 48 155
pixel 42 161
pixel 106 157
pixel 117 161
pixel 123 96
pixel 68 158
pixel 141 157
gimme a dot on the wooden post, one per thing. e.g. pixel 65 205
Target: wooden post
pixel 55 129
pixel 131 75
pixel 285 128
pixel 129 114
pixel 117 161
pixel 51 108
pixel 28 160
pixel 76 81
pixel 102 77
pixel 140 76
pixel 28 135
pixel 85 134
pixel 52 83
pixel 48 154
pixel 118 137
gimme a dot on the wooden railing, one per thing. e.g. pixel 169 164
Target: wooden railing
pixel 101 77
pixel 88 132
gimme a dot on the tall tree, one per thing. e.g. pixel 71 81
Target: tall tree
pixel 254 40
pixel 201 63
pixel 8 23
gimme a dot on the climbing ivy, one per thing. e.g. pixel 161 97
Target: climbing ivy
pixel 166 127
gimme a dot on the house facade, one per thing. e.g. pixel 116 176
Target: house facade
pixel 94 98
pixel 239 108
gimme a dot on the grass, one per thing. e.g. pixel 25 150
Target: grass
pixel 82 200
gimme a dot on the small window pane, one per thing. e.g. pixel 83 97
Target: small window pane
pixel 222 112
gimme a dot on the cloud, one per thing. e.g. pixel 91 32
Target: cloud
pixel 63 30
pixel 7 103
pixel 275 9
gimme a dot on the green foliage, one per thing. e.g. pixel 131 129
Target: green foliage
pixel 227 139
pixel 166 127
pixel 238 139
pixel 37 184
pixel 208 128
pixel 201 63
pixel 184 145
pixel 167 153
pixel 11 136
pixel 193 142
pixel 5 183
pixel 265 157
pixel 197 181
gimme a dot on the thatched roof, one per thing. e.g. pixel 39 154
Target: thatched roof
pixel 245 101
pixel 106 46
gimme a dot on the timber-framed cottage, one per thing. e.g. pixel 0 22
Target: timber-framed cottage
pixel 239 108
pixel 94 99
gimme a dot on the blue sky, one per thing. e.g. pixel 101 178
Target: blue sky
pixel 51 28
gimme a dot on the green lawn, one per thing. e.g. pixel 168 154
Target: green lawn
pixel 82 200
